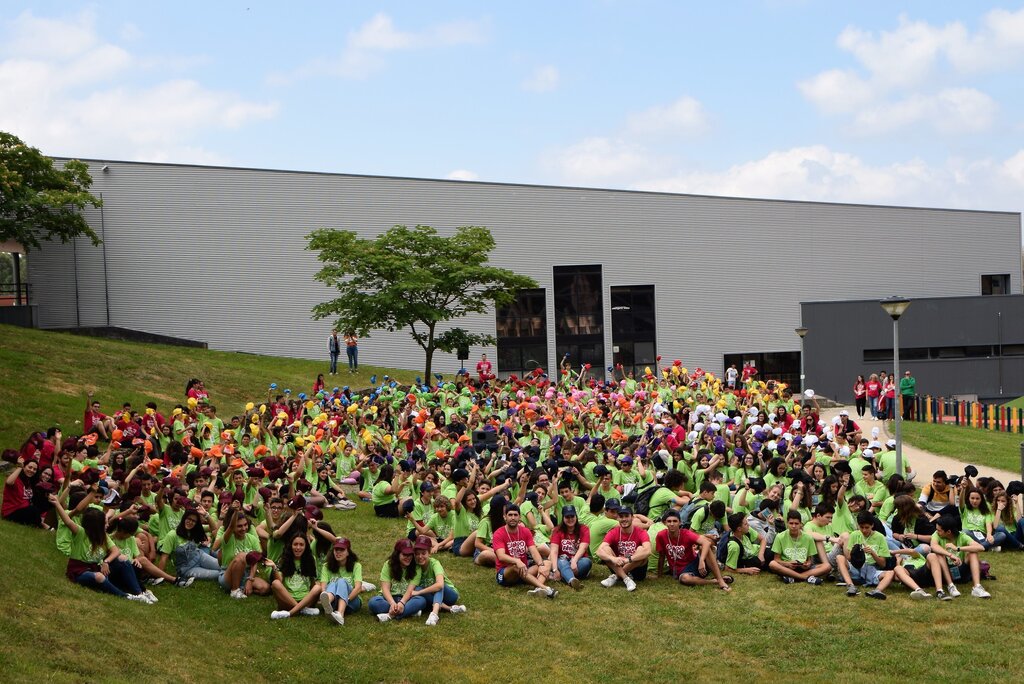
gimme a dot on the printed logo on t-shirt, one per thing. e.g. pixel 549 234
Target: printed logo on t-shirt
pixel 626 548
pixel 516 548
pixel 795 554
pixel 567 547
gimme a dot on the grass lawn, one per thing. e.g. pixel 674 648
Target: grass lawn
pixel 55 631
pixel 971 445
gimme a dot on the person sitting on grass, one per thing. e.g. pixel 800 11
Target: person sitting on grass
pixel 950 548
pixel 431 583
pixel 865 559
pixel 295 587
pixel 239 538
pixel 796 555
pixel 94 560
pixel 570 545
pixel 690 567
pixel 189 545
pixel 625 550
pixel 123 530
pixel 395 600
pixel 746 550
pixel 341 580
pixel 516 556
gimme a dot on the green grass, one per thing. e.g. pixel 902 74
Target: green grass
pixel 46 375
pixel 55 631
pixel 971 445
pixel 1017 403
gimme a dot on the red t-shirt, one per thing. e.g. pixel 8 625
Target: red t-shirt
pixel 625 544
pixel 483 369
pixel 567 546
pixel 679 551
pixel 516 544
pixel 90 418
pixel 873 388
pixel 16 497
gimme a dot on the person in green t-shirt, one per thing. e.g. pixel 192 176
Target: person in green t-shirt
pixel 746 550
pixel 432 583
pixel 296 587
pixel 951 548
pixel 796 555
pixel 125 528
pixel 872 571
pixel 341 581
pixel 395 600
pixel 441 525
pixel 232 546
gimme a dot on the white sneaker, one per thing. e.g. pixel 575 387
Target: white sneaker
pixel 979 592
pixel 280 615
pixel 368 587
pixel 310 611
pixel 610 580
pixel 151 596
pixel 432 619
pixel 325 603
pixel 953 591
pixel 920 594
pixel 238 594
pixel 630 584
pixel 338 617
pixel 456 609
pixel 141 598
pixel 383 617
pixel 538 590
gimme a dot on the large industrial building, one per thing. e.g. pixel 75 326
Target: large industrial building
pixel 218 255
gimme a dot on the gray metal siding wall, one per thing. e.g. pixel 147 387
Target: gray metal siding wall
pixel 839 332
pixel 218 255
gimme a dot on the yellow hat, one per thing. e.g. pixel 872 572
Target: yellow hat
pixel 250 406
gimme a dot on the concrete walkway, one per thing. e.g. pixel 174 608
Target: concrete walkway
pixel 923 463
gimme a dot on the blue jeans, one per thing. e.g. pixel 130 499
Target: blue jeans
pixel 334 362
pixel 998 538
pixel 448 596
pixel 874 406
pixel 341 590
pixel 353 358
pixel 379 604
pixel 191 561
pixel 120 581
pixel 1010 541
pixel 583 566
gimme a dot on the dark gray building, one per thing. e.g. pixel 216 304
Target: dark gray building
pixel 952 345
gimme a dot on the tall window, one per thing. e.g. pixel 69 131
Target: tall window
pixel 522 331
pixel 634 328
pixel 579 316
pixel 995 284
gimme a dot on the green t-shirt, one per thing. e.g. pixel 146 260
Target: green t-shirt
pixel 442 527
pixel 652 532
pixel 702 522
pixel 298 585
pixel 751 503
pixel 421 512
pixel 598 529
pixel 823 530
pixel 231 546
pixel 427 575
pixel 82 550
pixel 873 493
pixel 356 575
pixel 842 520
pixel 169 542
pixel 540 531
pixel 961 540
pixel 750 545
pixel 791 550
pixel 660 500
pixel 876 540
pixel 975 520
pixel 129 547
pixel 466 521
pixel 398 586
pixel 378 495
pixel 484 531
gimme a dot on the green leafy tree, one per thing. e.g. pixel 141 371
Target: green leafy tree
pixel 38 201
pixel 412 279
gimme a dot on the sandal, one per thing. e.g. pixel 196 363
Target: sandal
pixel 729 579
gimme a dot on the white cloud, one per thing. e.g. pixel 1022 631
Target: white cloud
pixel 895 85
pixel 544 79
pixel 462 175
pixel 602 160
pixel 55 81
pixel 366 48
pixel 684 117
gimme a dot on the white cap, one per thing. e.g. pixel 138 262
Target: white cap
pixel 874 432
pixel 809 393
pixel 751 420
pixel 777 431
pixel 810 440
pixel 772 445
pixel 844 451
pixel 716 427
pixel 875 444
pixel 891 443
pixel 753 410
pixel 720 417
pixel 868 453
pixel 699 427
pixel 844 412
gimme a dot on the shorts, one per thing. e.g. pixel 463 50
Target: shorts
pixel 456 545
pixel 502 582
pixel 222 581
pixel 691 568
pixel 868 575
pixel 921 576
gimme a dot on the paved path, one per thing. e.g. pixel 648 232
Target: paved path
pixel 924 463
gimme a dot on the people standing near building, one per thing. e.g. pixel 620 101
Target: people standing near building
pixel 730 376
pixel 483 369
pixel 889 392
pixel 908 391
pixel 860 394
pixel 334 349
pixel 352 350
pixel 873 389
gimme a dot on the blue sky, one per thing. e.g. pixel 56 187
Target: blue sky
pixel 896 103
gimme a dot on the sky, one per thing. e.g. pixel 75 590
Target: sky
pixel 908 103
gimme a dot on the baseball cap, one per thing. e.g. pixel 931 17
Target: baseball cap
pixel 612 504
pixel 568 511
pixel 625 510
pixel 341 543
pixel 423 543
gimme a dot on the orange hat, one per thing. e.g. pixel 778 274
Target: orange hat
pixel 197 452
pixel 116 435
pixel 90 439
pixel 237 464
pixel 148 447
pixel 464 438
pixel 260 450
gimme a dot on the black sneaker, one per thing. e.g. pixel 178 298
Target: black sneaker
pixel 876 595
pixel 852 591
pixel 815 581
pixel 787 580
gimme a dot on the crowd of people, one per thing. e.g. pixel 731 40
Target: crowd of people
pixel 670 474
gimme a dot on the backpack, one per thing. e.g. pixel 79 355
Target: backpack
pixel 642 501
pixel 722 551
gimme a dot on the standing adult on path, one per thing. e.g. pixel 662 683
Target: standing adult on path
pixel 860 394
pixel 874 389
pixel 334 349
pixel 908 389
pixel 352 350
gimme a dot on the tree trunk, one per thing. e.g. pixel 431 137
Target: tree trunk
pixel 429 356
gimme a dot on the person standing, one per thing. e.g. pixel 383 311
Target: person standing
pixel 730 376
pixel 483 369
pixel 352 350
pixel 334 349
pixel 908 390
pixel 860 394
pixel 874 390
pixel 889 391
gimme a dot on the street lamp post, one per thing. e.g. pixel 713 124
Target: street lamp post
pixel 802 332
pixel 895 306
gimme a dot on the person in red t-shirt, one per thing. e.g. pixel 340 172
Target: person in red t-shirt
pixel 17 506
pixel 679 547
pixel 570 543
pixel 625 550
pixel 95 422
pixel 514 548
pixel 873 388
pixel 483 369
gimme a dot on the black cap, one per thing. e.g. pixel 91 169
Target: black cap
pixel 612 504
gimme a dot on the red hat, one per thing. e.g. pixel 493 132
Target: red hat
pixel 423 542
pixel 341 543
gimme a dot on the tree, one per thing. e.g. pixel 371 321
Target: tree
pixel 39 201
pixel 412 278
